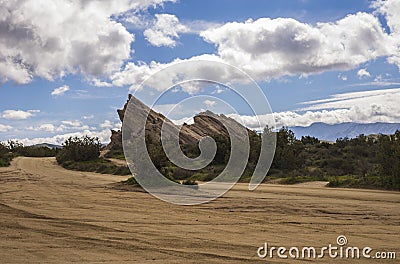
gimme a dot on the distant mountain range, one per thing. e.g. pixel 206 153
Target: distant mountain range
pixel 328 132
pixel 52 146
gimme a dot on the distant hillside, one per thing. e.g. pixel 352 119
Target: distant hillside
pixel 351 130
pixel 51 146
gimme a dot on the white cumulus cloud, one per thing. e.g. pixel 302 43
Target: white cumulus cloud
pixel 358 107
pixel 165 31
pixel 60 91
pixel 18 114
pixel 210 103
pixel 72 123
pixel 107 124
pixel 357 114
pixel 104 136
pixel 88 117
pixel 60 127
pixel 391 10
pixel 135 74
pixel 388 97
pixel 49 39
pixel 284 46
pixel 271 48
pixel 363 73
pixel 5 128
pixel 342 77
pixel 47 128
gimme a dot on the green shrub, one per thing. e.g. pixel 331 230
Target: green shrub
pixel 3 150
pixel 99 165
pixel 115 154
pixel 4 162
pixel 5 157
pixel 179 173
pixel 79 149
pixel 202 176
pixel 191 183
pixel 131 181
pixel 33 151
pixel 14 146
pixel 123 171
pixel 292 180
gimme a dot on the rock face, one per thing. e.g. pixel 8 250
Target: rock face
pixel 205 124
pixel 121 112
pixel 116 140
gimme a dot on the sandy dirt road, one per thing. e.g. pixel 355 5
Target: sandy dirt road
pixel 51 215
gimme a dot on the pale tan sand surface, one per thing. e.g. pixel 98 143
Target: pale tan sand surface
pixel 52 215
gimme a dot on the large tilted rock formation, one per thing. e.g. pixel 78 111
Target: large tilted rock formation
pixel 205 124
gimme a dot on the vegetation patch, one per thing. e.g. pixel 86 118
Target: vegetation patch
pixel 13 149
pixel 193 184
pixel 96 165
pixel 300 179
pixel 361 162
pixel 115 154
pixel 131 181
pixel 82 154
pixel 5 156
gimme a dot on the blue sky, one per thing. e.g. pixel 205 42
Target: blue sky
pixel 66 67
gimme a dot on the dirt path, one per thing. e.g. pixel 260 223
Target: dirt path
pixel 51 215
pixel 118 162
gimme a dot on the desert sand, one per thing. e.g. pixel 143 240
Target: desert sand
pixel 52 215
